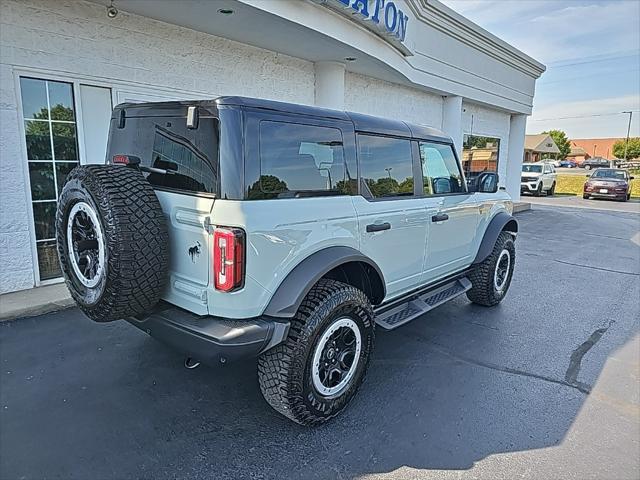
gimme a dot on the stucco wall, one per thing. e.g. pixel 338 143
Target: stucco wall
pixel 377 97
pixel 76 39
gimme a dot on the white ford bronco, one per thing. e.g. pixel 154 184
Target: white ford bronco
pixel 242 228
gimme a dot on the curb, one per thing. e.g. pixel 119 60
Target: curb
pixel 35 310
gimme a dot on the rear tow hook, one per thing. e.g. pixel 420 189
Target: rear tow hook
pixel 190 363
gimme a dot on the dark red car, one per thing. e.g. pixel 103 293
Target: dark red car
pixel 608 183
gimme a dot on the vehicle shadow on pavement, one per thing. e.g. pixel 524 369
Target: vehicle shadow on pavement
pixel 121 405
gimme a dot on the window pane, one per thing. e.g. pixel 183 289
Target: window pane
pixel 61 101
pixel 300 160
pixel 62 170
pixel 44 216
pixel 64 141
pixel 34 98
pixel 191 155
pixel 38 140
pixel 440 170
pixel 41 177
pixel 48 260
pixel 479 154
pixel 386 165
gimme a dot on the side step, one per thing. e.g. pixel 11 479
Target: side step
pixel 418 305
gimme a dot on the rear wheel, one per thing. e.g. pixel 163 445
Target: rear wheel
pixel 317 370
pixel 491 279
pixel 585 196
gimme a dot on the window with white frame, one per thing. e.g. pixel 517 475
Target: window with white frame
pixel 52 152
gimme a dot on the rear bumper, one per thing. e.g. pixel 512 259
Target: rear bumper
pixel 212 340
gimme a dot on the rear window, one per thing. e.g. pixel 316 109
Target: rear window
pixel 186 159
pixel 299 160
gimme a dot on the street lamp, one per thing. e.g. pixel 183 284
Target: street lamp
pixel 626 143
pixel 388 169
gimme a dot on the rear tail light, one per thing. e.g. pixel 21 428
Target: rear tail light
pixel 228 258
pixel 125 160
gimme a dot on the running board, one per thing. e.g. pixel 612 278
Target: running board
pixel 416 306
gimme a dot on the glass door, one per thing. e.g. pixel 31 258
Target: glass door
pixel 52 152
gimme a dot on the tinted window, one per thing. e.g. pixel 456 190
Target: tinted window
pixel 479 154
pixel 188 157
pixel 385 165
pixel 440 171
pixel 300 160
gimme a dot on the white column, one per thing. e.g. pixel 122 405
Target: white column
pixel 330 78
pixel 452 120
pixel 515 152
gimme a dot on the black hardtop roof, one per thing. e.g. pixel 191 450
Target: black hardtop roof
pixel 361 122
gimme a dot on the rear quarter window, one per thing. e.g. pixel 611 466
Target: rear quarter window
pixel 298 160
pixel 186 159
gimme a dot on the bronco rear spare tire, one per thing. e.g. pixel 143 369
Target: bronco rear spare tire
pixel 112 241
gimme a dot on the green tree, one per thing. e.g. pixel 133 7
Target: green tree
pixel 561 141
pixel 633 150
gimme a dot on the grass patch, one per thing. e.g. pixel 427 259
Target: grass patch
pixel 573 185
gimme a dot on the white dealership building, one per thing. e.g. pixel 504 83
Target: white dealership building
pixel 65 63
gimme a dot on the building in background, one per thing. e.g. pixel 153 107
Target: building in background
pixel 537 146
pixel 594 147
pixel 65 63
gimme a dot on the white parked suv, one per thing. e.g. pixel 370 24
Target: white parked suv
pixel 537 178
pixel 249 228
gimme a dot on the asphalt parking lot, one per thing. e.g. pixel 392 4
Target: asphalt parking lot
pixel 543 386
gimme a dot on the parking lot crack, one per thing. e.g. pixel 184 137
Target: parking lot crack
pixel 571 375
pixel 493 366
pixel 598 268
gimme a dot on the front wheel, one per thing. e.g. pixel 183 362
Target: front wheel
pixel 538 191
pixel 587 167
pixel 552 190
pixel 491 279
pixel 313 375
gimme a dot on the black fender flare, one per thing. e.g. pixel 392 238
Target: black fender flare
pixel 501 221
pixel 288 296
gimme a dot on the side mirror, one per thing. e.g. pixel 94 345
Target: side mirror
pixel 588 175
pixel 486 182
pixel 631 178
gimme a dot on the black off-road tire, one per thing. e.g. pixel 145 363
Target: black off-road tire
pixel 538 191
pixel 483 290
pixel 285 371
pixel 552 190
pixel 135 239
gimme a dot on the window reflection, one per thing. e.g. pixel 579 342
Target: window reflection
pixel 386 166
pixel 480 154
pixel 301 160
pixel 440 172
pixel 52 152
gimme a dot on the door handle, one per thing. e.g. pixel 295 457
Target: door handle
pixel 378 227
pixel 440 217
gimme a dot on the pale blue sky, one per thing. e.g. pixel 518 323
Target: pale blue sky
pixel 592 52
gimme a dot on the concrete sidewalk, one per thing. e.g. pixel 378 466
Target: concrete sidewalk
pixel 35 301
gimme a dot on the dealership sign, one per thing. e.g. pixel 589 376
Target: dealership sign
pixel 383 17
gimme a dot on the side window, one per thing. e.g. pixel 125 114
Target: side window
pixel 440 171
pixel 386 167
pixel 301 160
